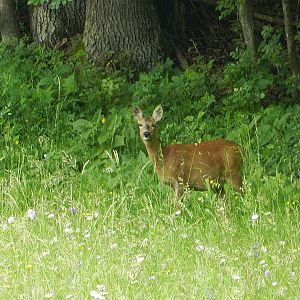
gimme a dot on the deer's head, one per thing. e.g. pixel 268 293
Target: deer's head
pixel 147 124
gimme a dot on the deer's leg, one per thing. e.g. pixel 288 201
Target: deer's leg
pixel 235 180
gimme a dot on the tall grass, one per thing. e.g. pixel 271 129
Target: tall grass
pixel 95 236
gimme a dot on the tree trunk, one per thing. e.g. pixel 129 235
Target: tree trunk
pixel 288 13
pixel 122 32
pixel 48 26
pixel 246 19
pixel 8 23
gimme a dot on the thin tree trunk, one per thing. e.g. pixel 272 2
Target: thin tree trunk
pixel 247 22
pixel 122 32
pixel 288 13
pixel 8 23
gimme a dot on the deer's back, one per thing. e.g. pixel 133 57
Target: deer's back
pixel 194 163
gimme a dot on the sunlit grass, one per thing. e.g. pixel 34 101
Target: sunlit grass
pixel 84 241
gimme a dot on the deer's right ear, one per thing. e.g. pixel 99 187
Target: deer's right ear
pixel 137 113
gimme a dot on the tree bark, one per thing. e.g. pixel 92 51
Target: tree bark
pixel 122 32
pixel 247 22
pixel 8 23
pixel 48 26
pixel 288 13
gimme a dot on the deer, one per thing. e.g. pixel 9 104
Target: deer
pixel 200 166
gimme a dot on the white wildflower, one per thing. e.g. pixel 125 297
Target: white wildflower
pixel 139 259
pixel 254 217
pixel 274 283
pixel 263 263
pixel 236 277
pixel 200 248
pixel 11 220
pixel 113 246
pixel 49 295
pixel 267 273
pixel 68 230
pixel 282 243
pixel 45 253
pixel 31 214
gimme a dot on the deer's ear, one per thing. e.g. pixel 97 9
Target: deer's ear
pixel 137 113
pixel 157 113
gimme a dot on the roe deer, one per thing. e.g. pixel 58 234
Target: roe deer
pixel 196 166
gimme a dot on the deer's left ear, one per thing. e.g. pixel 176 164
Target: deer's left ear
pixel 137 113
pixel 157 113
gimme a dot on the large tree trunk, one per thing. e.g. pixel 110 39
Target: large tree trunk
pixel 48 26
pixel 123 31
pixel 247 22
pixel 8 23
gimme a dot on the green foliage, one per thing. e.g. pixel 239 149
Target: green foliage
pixel 72 113
pixel 226 8
pixel 54 4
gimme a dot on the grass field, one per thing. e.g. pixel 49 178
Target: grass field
pixel 71 237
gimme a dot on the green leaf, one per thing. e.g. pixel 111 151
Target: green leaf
pixel 118 141
pixel 84 127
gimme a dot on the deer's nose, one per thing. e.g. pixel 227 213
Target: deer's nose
pixel 146 134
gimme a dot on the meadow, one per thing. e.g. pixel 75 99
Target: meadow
pixel 83 216
pixel 73 239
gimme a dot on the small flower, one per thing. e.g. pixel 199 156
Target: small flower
pixel 49 295
pixel 87 236
pixel 100 293
pixel 274 283
pixel 254 217
pixel 236 277
pixel 50 216
pixel 4 227
pixel 200 248
pixel 45 253
pixel 89 218
pixel 53 241
pixel 113 246
pixel 177 213
pixel 69 296
pixel 267 273
pixel 31 214
pixel 263 263
pixel 264 249
pixel 139 259
pixel 282 243
pixel 152 278
pixel 28 267
pixel 293 274
pixel 109 170
pixel 73 210
pixel 103 120
pixel 11 220
pixel 68 230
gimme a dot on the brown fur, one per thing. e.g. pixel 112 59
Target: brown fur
pixel 197 166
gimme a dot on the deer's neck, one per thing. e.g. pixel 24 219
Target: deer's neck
pixel 155 154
